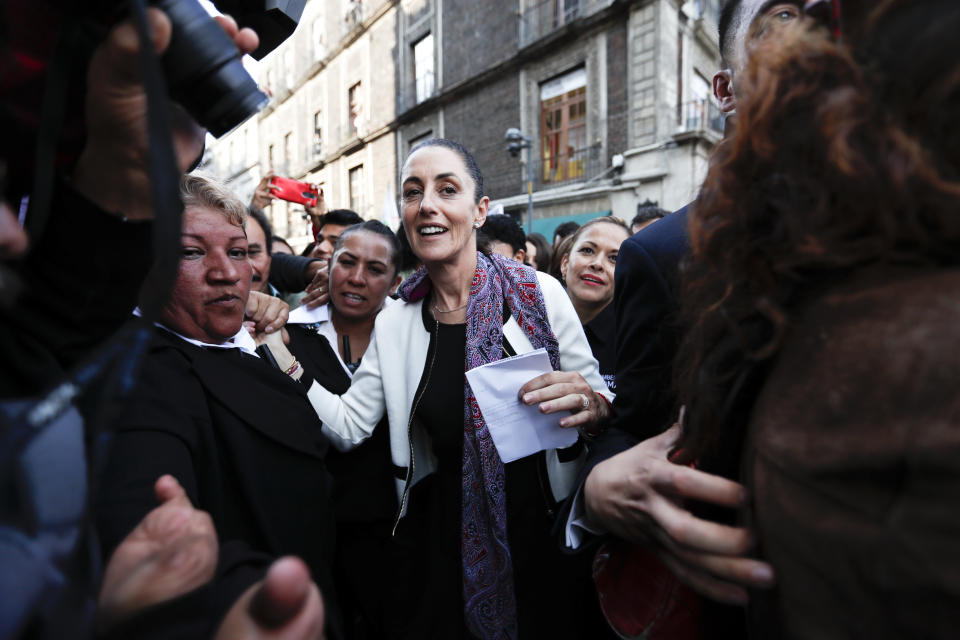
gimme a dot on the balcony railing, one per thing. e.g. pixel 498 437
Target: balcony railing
pixel 546 16
pixel 578 165
pixel 701 115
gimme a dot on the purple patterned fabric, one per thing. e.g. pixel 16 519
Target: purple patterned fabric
pixel 490 605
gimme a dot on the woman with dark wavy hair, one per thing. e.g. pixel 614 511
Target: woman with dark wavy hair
pixel 822 303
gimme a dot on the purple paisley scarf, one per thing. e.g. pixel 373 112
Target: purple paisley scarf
pixel 490 605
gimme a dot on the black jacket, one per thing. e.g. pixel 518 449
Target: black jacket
pixel 245 444
pixel 645 302
pixel 80 283
pixel 288 272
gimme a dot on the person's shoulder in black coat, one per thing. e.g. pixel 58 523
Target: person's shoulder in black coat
pixel 243 441
pixel 645 303
pixel 288 273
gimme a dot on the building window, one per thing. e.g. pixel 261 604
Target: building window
pixel 709 9
pixel 563 127
pixel 356 188
pixel 270 158
pixel 318 133
pixel 278 211
pixel 287 153
pixel 423 67
pixel 269 82
pixel 556 13
pixel 318 49
pixel 293 217
pixel 354 14
pixel 356 108
pixel 697 111
pixel 420 138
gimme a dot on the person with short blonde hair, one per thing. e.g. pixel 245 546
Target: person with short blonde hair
pixel 234 430
pixel 202 191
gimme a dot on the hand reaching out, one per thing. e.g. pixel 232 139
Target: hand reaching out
pixel 172 551
pixel 639 495
pixel 267 313
pixel 285 605
pixel 317 211
pixel 263 194
pixel 317 292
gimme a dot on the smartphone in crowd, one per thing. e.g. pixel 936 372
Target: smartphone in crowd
pixel 294 191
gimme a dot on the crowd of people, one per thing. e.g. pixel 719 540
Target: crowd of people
pixel 758 388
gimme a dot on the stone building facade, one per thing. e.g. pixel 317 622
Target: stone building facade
pixel 615 96
pixel 330 118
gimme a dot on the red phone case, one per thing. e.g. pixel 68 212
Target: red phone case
pixel 294 190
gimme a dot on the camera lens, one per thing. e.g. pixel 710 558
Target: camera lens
pixel 203 70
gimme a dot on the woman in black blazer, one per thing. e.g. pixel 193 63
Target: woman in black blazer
pixel 238 433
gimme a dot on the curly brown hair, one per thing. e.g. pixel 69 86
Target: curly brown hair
pixel 845 155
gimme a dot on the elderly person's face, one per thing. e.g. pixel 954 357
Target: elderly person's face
pixel 440 212
pixel 213 280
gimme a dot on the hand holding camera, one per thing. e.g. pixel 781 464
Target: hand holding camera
pixel 112 169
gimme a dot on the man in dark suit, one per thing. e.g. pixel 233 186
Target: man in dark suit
pixel 632 490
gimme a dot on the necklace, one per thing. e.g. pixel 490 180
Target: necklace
pixel 439 310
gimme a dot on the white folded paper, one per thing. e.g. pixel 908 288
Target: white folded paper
pixel 517 430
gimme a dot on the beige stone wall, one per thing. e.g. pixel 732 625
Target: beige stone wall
pixel 643 57
pixel 312 71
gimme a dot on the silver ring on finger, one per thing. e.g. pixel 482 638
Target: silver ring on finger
pixel 584 402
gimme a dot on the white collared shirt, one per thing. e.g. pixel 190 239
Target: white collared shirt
pixel 321 317
pixel 242 340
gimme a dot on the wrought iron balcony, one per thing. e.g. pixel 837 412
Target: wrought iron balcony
pixel 701 115
pixel 546 16
pixel 572 166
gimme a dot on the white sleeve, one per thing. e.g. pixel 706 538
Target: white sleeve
pixel 575 353
pixel 578 526
pixel 351 418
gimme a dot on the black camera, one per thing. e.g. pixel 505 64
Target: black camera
pixel 40 39
pixel 204 73
pixel 202 69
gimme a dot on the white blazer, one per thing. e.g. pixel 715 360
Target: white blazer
pixel 390 374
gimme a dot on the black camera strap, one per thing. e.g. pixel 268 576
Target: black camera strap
pixel 109 373
pixel 164 171
pixel 52 113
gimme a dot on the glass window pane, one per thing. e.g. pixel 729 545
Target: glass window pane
pixel 423 67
